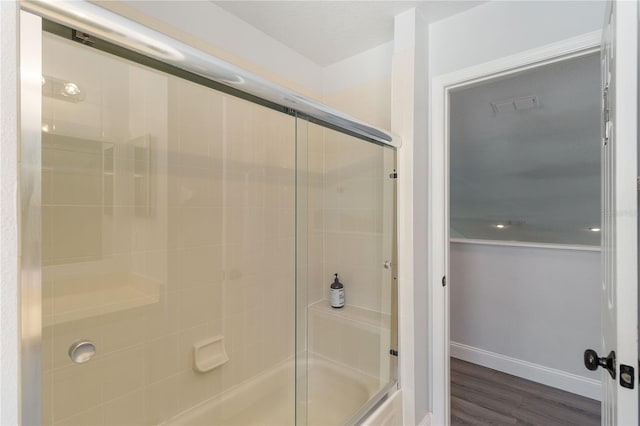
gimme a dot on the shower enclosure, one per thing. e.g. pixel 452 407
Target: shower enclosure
pixel 184 235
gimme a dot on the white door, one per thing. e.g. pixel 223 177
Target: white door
pixel 620 214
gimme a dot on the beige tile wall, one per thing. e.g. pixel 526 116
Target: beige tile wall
pixel 350 342
pixel 348 207
pixel 215 255
pixel 358 197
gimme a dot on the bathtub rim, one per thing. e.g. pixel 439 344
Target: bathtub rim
pixel 374 403
pixel 358 418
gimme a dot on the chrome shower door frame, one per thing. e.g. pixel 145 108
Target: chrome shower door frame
pixel 30 240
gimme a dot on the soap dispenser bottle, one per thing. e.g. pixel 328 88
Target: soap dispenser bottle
pixel 337 293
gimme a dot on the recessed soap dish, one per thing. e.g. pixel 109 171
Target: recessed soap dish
pixel 209 354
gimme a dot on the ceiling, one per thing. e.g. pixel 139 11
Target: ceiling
pixel 329 31
pixel 537 168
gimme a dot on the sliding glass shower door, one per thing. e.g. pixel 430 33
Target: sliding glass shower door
pixel 347 345
pixel 168 247
pixel 188 241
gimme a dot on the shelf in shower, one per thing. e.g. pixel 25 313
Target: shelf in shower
pixel 367 317
pixel 124 292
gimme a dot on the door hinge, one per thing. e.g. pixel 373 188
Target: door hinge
pixel 444 281
pixel 393 352
pixel 606 113
pixel 393 175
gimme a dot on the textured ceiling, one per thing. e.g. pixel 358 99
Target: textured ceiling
pixel 538 168
pixel 329 31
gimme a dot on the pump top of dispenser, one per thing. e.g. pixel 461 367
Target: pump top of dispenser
pixel 336 282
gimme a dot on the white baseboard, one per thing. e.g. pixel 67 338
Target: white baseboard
pixel 537 373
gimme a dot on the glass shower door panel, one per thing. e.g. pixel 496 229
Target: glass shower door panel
pixel 348 197
pixel 168 248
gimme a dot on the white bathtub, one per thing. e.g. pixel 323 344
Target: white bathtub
pixel 334 394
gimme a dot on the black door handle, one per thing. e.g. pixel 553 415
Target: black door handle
pixel 592 362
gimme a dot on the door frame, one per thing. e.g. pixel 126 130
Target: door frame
pixel 438 191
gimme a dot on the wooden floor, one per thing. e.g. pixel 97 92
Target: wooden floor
pixel 481 396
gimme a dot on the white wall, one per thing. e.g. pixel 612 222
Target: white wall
pixel 501 28
pixel 536 305
pixel 371 64
pixel 361 85
pixel 213 29
pixel 409 99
